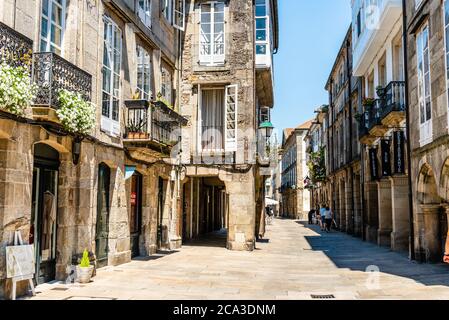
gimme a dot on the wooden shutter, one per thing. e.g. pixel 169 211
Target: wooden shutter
pixel 231 105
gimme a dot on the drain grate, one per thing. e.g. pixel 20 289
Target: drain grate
pixel 60 289
pixel 322 296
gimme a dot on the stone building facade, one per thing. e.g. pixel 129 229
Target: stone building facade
pixel 114 192
pixel 295 197
pixel 226 89
pixel 379 63
pixel 343 167
pixel 427 23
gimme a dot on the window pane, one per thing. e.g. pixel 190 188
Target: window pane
pixel 45 7
pixel 105 105
pixel 44 28
pixel 56 14
pixel 115 109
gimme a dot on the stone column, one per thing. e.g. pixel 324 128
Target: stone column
pixel 400 213
pixel 385 213
pixel 342 207
pixel 349 209
pixel 431 241
pixel 372 211
pixel 241 210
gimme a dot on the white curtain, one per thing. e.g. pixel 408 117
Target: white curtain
pixel 212 116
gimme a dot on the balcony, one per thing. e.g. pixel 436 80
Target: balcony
pixel 376 128
pixel 380 19
pixel 264 62
pixel 393 110
pixel 51 73
pixel 152 124
pixel 15 49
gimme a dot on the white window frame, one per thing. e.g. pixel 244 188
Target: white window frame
pixel 446 55
pixel 167 10
pixel 426 132
pixel 212 59
pixel 47 39
pixel 167 91
pixel 146 69
pixel 108 124
pixel 179 12
pixel 145 12
pixel 231 143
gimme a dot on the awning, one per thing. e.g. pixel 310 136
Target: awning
pixel 271 202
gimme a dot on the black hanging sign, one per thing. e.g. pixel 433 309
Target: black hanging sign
pixel 386 157
pixel 399 152
pixel 373 163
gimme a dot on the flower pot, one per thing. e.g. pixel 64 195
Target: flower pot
pixel 84 274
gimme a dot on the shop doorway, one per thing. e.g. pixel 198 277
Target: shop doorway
pixel 103 210
pixel 135 218
pixel 43 231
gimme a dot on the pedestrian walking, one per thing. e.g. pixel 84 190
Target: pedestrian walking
pixel 311 213
pixel 328 217
pixel 323 218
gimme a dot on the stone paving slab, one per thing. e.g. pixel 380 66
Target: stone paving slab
pixel 297 262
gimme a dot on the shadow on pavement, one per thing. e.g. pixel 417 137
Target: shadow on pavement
pixel 346 251
pixel 216 239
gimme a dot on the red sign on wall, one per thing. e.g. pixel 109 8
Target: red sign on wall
pixel 133 198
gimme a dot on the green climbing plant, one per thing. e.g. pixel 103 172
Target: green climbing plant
pixel 317 166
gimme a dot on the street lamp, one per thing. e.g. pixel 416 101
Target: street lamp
pixel 266 129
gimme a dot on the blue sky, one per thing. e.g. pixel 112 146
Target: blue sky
pixel 311 33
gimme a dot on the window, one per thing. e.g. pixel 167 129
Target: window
pixel 144 12
pixel 212 119
pixel 218 119
pixel 261 27
pixel 264 114
pixel 143 73
pixel 212 33
pixel 167 10
pixel 179 9
pixel 166 85
pixel 446 30
pixel 424 91
pixel 52 25
pixel 111 77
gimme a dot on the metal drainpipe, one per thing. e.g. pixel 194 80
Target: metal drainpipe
pixel 351 169
pixel 409 158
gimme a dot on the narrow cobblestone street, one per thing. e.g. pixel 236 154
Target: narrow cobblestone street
pixel 295 263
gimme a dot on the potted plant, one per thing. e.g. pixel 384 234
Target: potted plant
pixel 358 117
pixel 368 102
pixel 85 269
pixel 380 91
pixel 77 115
pixel 16 90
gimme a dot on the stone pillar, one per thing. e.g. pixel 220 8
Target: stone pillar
pixel 431 241
pixel 400 213
pixel 343 206
pixel 372 211
pixel 349 209
pixel 241 210
pixel 385 213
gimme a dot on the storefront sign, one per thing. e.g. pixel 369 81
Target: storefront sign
pixel 386 157
pixel 19 261
pixel 399 153
pixel 373 163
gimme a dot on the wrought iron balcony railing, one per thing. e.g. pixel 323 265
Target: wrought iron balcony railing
pixel 15 49
pixel 152 122
pixel 52 73
pixel 394 98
